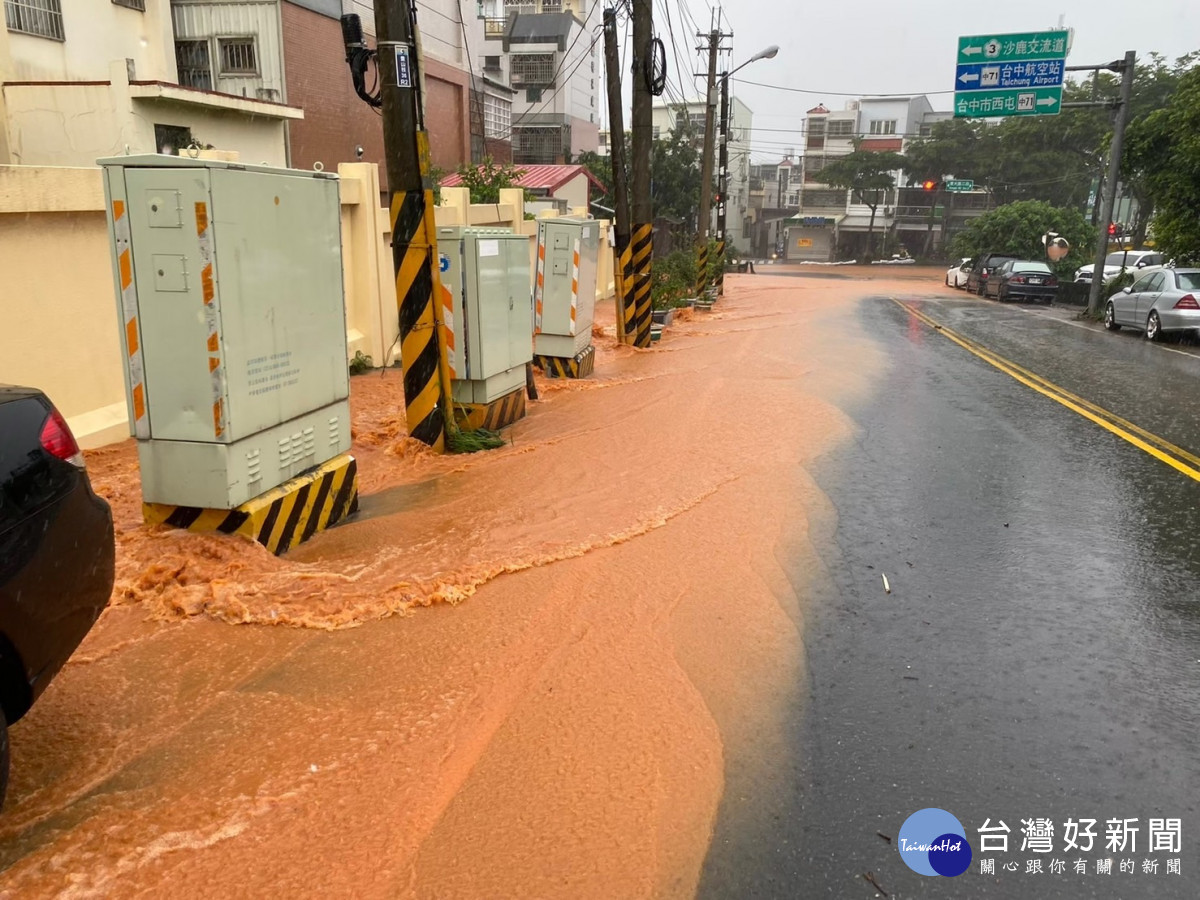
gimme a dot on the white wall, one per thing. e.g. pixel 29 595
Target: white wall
pixel 96 33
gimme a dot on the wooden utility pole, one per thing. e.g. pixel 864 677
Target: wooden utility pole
pixel 704 213
pixel 622 257
pixel 642 236
pixel 427 387
pixel 1109 185
pixel 722 186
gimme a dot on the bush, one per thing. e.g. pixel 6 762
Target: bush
pixel 673 279
pixel 1017 229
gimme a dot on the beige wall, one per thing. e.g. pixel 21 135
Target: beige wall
pixel 58 309
pixel 58 322
pixel 575 192
pixel 76 124
pixel 96 33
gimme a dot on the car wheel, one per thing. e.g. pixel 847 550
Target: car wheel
pixel 1110 318
pixel 1154 327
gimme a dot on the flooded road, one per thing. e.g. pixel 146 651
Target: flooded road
pixel 645 650
pixel 1038 655
pixel 522 672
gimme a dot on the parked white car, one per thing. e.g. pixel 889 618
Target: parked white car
pixel 1114 263
pixel 956 276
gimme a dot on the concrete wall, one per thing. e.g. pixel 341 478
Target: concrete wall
pixel 74 124
pixel 96 33
pixel 58 324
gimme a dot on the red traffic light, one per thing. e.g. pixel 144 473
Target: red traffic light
pixel 930 185
pixel 1112 229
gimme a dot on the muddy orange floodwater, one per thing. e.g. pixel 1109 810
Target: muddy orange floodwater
pixel 515 673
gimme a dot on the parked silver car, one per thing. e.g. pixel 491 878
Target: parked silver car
pixel 1121 261
pixel 1159 301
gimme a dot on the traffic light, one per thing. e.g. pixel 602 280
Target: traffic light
pixel 1112 229
pixel 929 185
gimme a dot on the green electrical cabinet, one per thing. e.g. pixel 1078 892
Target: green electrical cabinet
pixel 488 310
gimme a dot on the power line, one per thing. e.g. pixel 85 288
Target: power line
pixel 865 96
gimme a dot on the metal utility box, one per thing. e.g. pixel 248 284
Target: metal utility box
pixel 229 286
pixel 565 286
pixel 488 310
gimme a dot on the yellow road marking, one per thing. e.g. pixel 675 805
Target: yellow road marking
pixel 1144 440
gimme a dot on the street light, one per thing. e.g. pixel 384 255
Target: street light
pixel 723 163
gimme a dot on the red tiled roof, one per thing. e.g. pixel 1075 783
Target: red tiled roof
pixel 881 144
pixel 549 178
pixel 817 110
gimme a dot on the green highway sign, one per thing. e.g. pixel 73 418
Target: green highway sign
pixel 1043 101
pixel 960 185
pixel 1023 47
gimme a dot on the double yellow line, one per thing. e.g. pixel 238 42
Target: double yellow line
pixel 1175 457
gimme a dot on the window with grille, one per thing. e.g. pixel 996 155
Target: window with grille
pixel 195 69
pixel 532 69
pixel 824 199
pixel 132 4
pixel 816 127
pixel 841 128
pixel 497 117
pixel 42 18
pixel 238 56
pixel 538 145
pixel 883 126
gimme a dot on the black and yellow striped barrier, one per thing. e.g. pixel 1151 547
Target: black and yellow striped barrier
pixel 719 269
pixel 642 257
pixel 701 269
pixel 282 517
pixel 627 302
pixel 581 365
pixel 419 351
pixel 495 415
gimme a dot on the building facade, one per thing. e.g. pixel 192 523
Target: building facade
pixel 546 52
pixel 83 79
pixel 688 118
pixel 832 222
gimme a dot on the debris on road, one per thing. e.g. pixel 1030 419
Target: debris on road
pixel 887 588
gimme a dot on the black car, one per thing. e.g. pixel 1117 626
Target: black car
pixel 984 264
pixel 56 552
pixel 1022 279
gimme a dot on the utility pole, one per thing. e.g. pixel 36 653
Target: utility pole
pixel 427 387
pixel 622 258
pixel 704 214
pixel 722 185
pixel 642 232
pixel 1109 185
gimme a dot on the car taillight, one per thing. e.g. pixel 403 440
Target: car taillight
pixel 1187 301
pixel 57 439
pixel 1018 279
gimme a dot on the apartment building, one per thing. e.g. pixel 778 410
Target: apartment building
pixel 689 118
pixel 831 221
pixel 541 77
pixel 83 79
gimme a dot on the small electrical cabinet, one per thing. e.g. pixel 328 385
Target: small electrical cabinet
pixel 233 324
pixel 488 311
pixel 565 285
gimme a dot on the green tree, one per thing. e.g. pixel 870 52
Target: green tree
pixel 867 174
pixel 1164 155
pixel 675 177
pixel 486 180
pixel 1017 229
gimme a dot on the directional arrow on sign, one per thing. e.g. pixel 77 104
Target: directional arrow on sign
pixel 1048 101
pixel 968 77
pixel 971 51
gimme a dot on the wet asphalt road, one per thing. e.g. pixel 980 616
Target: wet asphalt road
pixel 1039 654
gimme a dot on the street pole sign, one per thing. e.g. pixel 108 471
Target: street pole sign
pixel 960 184
pixel 1010 74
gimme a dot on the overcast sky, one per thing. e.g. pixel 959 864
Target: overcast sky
pixel 859 47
